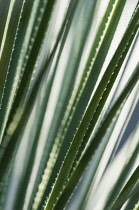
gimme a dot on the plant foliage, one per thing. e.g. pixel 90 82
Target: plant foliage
pixel 69 101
